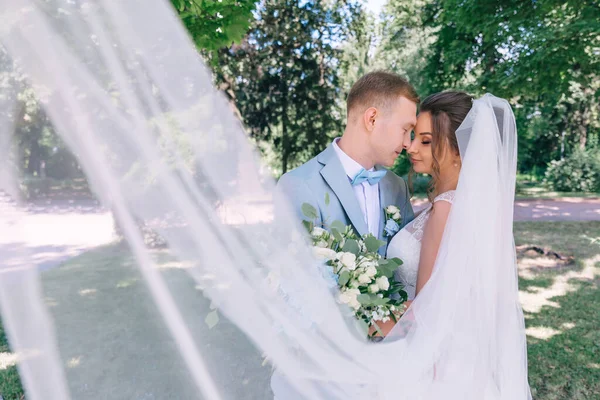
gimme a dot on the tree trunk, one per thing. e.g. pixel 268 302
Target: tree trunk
pixel 284 133
pixel 34 159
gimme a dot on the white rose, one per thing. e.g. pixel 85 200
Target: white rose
pixel 371 271
pixel 368 263
pixel 344 298
pixel 396 216
pixel 322 244
pixel 348 260
pixel 364 278
pixel 383 283
pixel 354 284
pixel 318 232
pixel 392 210
pixel 373 288
pixel 323 253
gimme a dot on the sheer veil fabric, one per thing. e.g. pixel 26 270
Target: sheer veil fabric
pixel 127 92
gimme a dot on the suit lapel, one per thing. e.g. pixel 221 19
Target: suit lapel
pixel 335 176
pixel 385 199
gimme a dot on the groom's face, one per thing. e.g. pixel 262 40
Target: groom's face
pixel 391 131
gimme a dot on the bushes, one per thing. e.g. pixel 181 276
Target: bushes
pixel 579 172
pixel 33 187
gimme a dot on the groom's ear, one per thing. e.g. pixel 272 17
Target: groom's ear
pixel 369 118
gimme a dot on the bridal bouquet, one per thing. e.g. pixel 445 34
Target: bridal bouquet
pixel 364 277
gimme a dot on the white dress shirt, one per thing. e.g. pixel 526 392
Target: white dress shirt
pixel 366 194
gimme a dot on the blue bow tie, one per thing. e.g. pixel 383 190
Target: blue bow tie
pixel 373 177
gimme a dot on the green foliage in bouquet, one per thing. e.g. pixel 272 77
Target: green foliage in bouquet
pixel 365 279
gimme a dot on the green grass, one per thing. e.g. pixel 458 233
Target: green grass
pixel 564 340
pixel 103 311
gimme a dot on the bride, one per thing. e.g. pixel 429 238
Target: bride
pixel 434 151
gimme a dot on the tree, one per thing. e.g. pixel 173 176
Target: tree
pixel 541 56
pixel 215 24
pixel 283 78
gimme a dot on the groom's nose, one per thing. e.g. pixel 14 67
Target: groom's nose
pixel 406 141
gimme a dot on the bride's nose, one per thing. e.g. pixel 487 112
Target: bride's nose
pixel 412 149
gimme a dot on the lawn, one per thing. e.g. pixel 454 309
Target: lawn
pixel 91 295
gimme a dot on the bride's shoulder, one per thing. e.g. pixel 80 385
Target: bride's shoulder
pixel 446 196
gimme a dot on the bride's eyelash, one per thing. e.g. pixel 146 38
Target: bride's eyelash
pixel 426 142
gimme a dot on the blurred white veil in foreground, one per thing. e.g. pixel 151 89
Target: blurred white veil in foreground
pixel 125 89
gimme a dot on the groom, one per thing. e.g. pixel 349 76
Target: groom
pixel 381 113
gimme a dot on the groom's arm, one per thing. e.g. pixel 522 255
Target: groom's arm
pixel 291 193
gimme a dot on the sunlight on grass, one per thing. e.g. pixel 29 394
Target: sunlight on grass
pixel 537 297
pixel 8 360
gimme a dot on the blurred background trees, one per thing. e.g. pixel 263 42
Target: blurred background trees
pixel 287 66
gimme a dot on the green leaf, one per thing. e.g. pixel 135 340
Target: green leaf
pixel 363 325
pixel 351 246
pixel 364 299
pixel 344 278
pixel 377 329
pixel 396 261
pixel 373 244
pixel 337 234
pixel 308 225
pixel 309 211
pixel 378 301
pixel 212 319
pixel 338 225
pixel 327 198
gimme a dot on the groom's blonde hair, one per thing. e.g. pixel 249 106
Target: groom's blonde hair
pixel 379 89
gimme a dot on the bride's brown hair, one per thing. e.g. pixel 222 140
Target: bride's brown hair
pixel 448 110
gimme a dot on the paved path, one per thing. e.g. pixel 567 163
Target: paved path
pixel 56 230
pixel 561 209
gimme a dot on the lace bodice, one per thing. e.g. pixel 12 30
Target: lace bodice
pixel 406 245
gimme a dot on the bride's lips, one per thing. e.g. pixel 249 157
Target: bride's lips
pixel 412 160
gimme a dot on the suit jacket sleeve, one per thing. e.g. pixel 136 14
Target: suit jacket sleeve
pixel 406 210
pixel 291 192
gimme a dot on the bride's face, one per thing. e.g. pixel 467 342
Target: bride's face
pixel 420 150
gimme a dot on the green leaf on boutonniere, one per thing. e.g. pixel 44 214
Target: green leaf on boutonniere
pixel 351 246
pixel 373 244
pixel 327 199
pixel 309 211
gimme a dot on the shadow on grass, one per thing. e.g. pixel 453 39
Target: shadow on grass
pixel 564 355
pixel 115 345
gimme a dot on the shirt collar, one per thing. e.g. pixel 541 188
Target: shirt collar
pixel 351 167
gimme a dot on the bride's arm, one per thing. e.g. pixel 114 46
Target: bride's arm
pixel 432 237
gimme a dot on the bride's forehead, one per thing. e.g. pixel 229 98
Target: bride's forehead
pixel 423 121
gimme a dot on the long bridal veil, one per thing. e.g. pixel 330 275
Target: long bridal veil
pixel 233 292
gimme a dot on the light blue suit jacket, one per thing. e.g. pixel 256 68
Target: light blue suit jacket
pixel 324 174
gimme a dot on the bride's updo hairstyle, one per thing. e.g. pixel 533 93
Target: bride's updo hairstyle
pixel 448 110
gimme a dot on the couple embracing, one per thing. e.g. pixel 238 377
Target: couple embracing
pixel 459 267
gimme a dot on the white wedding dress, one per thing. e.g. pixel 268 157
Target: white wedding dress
pixel 406 245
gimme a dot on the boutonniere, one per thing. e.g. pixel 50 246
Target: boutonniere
pixel 392 220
